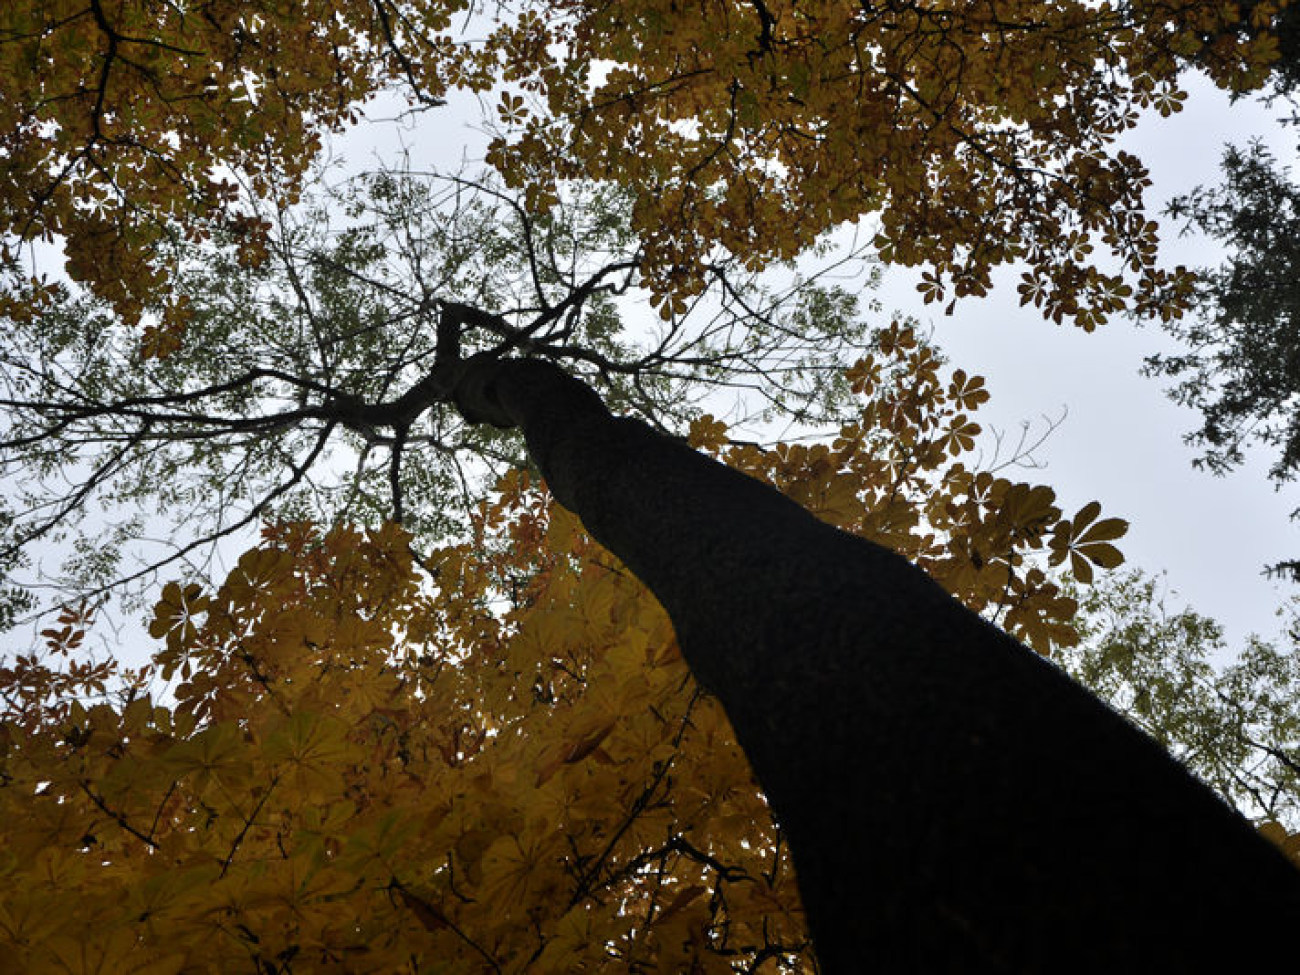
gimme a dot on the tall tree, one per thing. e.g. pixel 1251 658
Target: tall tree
pixel 952 802
pixel 978 135
pixel 501 765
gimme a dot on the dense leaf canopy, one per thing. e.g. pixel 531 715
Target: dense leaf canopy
pixel 367 750
pixel 1241 364
pixel 975 132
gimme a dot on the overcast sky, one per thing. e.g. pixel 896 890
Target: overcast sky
pixel 1121 440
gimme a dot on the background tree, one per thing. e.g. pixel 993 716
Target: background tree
pixel 501 765
pixel 1240 366
pixel 301 392
pixel 1232 718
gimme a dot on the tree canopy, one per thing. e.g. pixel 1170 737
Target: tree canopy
pixel 473 743
pixel 1240 365
pixel 974 133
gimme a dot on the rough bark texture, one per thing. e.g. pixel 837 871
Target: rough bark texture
pixel 952 801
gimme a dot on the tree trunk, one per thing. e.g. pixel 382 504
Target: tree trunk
pixel 952 801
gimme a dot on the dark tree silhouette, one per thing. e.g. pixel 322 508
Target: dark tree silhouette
pixel 1239 364
pixel 952 801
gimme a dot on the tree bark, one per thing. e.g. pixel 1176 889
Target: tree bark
pixel 952 801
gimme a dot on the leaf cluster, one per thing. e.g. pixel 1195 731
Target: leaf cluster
pixel 1233 719
pixel 1241 363
pixel 365 773
pixel 973 133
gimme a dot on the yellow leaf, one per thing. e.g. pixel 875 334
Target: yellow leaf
pixel 216 751
pixel 1106 530
pixel 310 747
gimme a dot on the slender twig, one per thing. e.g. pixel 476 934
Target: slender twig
pixel 116 816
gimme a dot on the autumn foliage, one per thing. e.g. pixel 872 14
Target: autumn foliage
pixel 127 120
pixel 974 133
pixel 498 764
pixel 492 757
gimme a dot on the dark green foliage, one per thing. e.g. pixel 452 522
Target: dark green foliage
pixel 1241 367
pixel 1286 26
pixel 14 601
pixel 1234 720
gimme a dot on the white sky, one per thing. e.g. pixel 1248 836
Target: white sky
pixel 1121 442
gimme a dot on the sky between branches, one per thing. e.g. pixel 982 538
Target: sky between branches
pixel 1121 439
